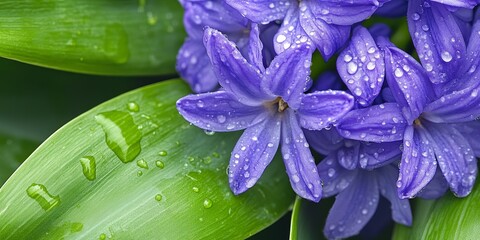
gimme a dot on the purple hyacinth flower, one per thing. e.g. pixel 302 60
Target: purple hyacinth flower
pixel 326 23
pixel 425 121
pixel 357 195
pixel 271 105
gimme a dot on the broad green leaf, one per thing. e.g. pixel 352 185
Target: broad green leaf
pixel 121 37
pixel 447 218
pixel 154 177
pixel 307 222
pixel 13 150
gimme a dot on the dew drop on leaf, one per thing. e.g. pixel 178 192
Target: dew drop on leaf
pixel 39 193
pixel 89 167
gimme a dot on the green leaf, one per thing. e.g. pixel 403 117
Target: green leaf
pixel 13 150
pixel 447 218
pixel 306 222
pixel 173 187
pixel 121 37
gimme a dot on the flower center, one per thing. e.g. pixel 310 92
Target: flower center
pixel 417 122
pixel 282 105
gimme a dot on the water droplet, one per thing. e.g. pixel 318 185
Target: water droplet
pixel 207 203
pixel 151 19
pixel 158 197
pixel 163 153
pixel 89 167
pixel 102 236
pixel 446 56
pixel 160 164
pixel 195 189
pixel 142 163
pixel 139 173
pixel 133 107
pixel 39 193
pixel 121 134
pixel 352 68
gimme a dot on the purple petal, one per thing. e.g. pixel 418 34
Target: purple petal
pixel 459 3
pixel 379 123
pixel 324 141
pixel 327 80
pixel 435 188
pixel 418 163
pixel 380 30
pixel 471 131
pixel 361 66
pixel 342 12
pixel 262 11
pixel 379 154
pixel 386 178
pixel 194 66
pixel 408 82
pixel 437 38
pixel 353 208
pixel 298 159
pixel 253 152
pixel 290 33
pixel 255 48
pixel 320 109
pixel 328 38
pixel 455 158
pixel 219 111
pixel 458 106
pixel 348 156
pixel 397 8
pixel 289 74
pixel 232 70
pixel 199 14
pixel 335 178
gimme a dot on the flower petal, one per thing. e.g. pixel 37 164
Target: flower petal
pixel 437 38
pixel 418 163
pixel 328 38
pixel 353 207
pixel 290 33
pixel 471 131
pixel 199 14
pixel 324 141
pixel 335 178
pixel 378 123
pixel 458 106
pixel 397 8
pixel 253 152
pixel 459 3
pixel 386 178
pixel 342 12
pixel 361 67
pixel 262 11
pixel 298 159
pixel 289 74
pixel 219 111
pixel 435 188
pixel 255 48
pixel 455 158
pixel 320 109
pixel 233 71
pixel 348 155
pixel 374 155
pixel 408 82
pixel 328 80
pixel 194 66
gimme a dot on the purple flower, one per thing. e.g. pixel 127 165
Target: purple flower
pixel 426 117
pixel 357 195
pixel 324 23
pixel 271 105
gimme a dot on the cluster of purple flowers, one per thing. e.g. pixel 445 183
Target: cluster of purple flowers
pixel 386 124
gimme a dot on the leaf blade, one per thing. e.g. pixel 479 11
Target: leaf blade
pixel 123 203
pixel 121 38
